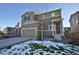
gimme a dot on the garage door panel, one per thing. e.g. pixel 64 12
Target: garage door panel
pixel 29 33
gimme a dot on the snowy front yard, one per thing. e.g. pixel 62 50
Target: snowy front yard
pixel 41 48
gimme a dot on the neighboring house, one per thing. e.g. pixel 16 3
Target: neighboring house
pixel 74 25
pixel 1 34
pixel 44 25
pixel 10 31
pixel 18 29
pixel 74 22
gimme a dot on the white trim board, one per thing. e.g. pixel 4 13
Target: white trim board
pixel 44 30
pixel 30 22
pixel 29 28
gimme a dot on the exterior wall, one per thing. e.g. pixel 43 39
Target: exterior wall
pixel 73 19
pixel 75 28
pixel 46 31
pixel 42 16
pixel 27 25
pixel 58 13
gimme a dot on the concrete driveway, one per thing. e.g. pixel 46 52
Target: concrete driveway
pixel 12 41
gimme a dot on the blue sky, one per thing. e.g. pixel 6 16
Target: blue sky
pixel 10 14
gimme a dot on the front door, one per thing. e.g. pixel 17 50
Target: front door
pixel 57 28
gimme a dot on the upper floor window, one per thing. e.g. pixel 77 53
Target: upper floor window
pixel 53 14
pixel 49 27
pixel 26 18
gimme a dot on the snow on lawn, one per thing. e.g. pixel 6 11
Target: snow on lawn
pixel 41 48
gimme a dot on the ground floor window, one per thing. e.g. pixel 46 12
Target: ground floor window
pixel 51 27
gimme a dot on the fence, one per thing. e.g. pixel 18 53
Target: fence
pixel 73 35
pixel 73 38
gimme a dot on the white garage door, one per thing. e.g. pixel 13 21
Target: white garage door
pixel 29 33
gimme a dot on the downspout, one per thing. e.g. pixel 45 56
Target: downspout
pixel 42 31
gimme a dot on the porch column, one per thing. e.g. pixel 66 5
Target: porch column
pixel 60 28
pixel 54 29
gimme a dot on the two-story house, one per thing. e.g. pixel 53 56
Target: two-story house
pixel 44 25
pixel 74 22
pixel 74 25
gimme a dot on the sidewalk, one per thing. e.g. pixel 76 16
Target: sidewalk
pixel 11 41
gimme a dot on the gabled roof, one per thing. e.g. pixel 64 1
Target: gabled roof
pixel 73 15
pixel 27 13
pixel 41 13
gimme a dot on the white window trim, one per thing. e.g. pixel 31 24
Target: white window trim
pixel 49 27
pixel 52 27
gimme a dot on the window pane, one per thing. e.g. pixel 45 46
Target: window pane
pixel 50 27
